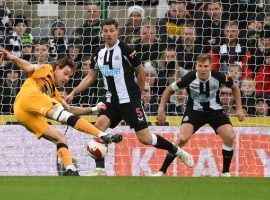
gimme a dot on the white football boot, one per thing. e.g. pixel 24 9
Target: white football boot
pixel 98 172
pixel 225 174
pixel 158 174
pixel 185 157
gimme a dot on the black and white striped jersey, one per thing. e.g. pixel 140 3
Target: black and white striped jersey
pixel 117 65
pixel 203 95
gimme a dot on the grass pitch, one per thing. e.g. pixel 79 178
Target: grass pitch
pixel 137 188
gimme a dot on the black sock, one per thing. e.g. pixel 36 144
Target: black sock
pixel 100 163
pixel 162 143
pixel 167 162
pixel 227 158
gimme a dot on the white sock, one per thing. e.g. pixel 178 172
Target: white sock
pixel 225 147
pixel 154 139
pixel 102 134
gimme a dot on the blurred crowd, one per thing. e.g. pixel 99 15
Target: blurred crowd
pixel 235 33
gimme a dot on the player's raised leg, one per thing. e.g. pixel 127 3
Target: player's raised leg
pixel 58 113
pixel 184 135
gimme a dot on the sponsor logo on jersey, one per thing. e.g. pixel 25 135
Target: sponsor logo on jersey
pixel 116 57
pixel 106 71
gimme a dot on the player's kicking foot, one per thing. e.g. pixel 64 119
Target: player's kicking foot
pixel 70 172
pixel 225 174
pixel 98 172
pixel 158 174
pixel 112 138
pixel 185 157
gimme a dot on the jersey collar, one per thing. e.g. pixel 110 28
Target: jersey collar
pixel 116 44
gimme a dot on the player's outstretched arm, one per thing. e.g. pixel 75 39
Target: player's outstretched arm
pixel 78 111
pixel 84 84
pixel 237 96
pixel 164 99
pixel 22 64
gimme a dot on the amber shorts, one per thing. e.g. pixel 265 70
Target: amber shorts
pixel 30 109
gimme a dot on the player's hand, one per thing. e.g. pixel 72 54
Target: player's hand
pixel 161 116
pixel 101 106
pixel 4 54
pixel 240 114
pixel 98 107
pixel 69 98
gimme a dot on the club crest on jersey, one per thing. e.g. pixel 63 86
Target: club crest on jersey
pixel 116 58
pixel 185 119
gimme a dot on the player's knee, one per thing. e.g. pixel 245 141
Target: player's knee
pixel 60 114
pixel 144 136
pixel 145 139
pixel 230 136
pixel 72 120
pixel 182 140
pixel 61 137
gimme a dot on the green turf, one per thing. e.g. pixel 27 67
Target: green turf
pixel 129 188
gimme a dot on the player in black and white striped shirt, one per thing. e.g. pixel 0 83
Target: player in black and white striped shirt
pixel 124 79
pixel 203 107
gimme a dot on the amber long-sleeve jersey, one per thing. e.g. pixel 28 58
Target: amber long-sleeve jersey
pixel 42 79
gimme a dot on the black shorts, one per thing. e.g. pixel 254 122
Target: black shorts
pixel 199 118
pixel 132 113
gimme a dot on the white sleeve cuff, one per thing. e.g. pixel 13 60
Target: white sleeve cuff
pixel 174 86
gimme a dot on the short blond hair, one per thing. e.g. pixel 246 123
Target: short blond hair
pixel 204 56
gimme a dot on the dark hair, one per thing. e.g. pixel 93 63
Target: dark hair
pixel 91 2
pixel 86 58
pixel 110 21
pixel 66 61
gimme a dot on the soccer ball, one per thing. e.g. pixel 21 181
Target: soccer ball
pixel 97 149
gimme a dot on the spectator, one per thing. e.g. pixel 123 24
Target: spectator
pixel 261 56
pixel 5 20
pixel 151 77
pixel 188 49
pixel 171 27
pixel 248 96
pixel 10 86
pixel 150 104
pixel 262 107
pixel 235 72
pixel 148 47
pixel 132 30
pixel 231 52
pixel 89 96
pixel 13 42
pixel 212 25
pixel 27 44
pixel 167 69
pixel 41 54
pixel 74 50
pixel 58 41
pixel 177 104
pixel 227 100
pixel 251 34
pixel 90 29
